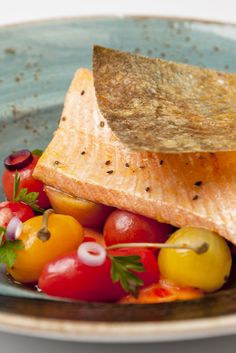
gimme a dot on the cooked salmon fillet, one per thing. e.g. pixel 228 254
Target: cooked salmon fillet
pixel 86 160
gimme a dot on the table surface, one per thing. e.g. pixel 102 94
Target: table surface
pixel 13 11
pixel 13 343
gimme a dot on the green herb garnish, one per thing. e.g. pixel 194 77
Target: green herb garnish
pixel 122 270
pixel 2 230
pixel 16 185
pixel 23 195
pixel 2 233
pixel 8 252
pixel 8 249
pixel 37 152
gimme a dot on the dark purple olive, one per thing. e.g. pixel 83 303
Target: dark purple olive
pixel 18 160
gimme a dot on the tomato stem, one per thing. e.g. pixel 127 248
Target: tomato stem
pixel 44 233
pixel 201 249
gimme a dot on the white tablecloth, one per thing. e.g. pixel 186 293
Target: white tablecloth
pixel 24 10
pixel 12 11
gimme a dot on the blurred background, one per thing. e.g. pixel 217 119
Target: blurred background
pixel 12 11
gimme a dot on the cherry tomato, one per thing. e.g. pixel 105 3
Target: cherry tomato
pixel 147 258
pixel 89 214
pixel 93 235
pixel 25 165
pixel 126 227
pixel 208 271
pixel 8 210
pixel 162 292
pixel 66 235
pixel 68 277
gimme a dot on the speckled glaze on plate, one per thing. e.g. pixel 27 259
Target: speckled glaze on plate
pixel 37 62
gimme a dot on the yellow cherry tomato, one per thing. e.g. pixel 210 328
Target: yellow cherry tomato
pixel 66 234
pixel 89 214
pixel 208 271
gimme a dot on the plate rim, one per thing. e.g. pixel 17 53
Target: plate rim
pixel 122 16
pixel 97 332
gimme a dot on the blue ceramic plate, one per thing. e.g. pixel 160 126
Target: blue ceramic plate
pixel 37 62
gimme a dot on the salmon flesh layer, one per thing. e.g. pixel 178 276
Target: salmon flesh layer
pixel 86 160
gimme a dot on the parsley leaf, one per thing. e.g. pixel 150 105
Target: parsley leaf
pixel 8 249
pixel 2 230
pixel 29 198
pixel 121 270
pixel 16 184
pixel 2 233
pixel 8 252
pixel 37 152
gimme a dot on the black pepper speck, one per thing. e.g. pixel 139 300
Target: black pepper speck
pixel 198 183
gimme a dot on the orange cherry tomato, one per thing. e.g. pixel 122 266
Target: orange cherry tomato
pixel 89 214
pixel 66 234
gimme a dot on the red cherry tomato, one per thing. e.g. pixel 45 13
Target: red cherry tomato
pixel 8 210
pixel 27 180
pixel 126 227
pixel 147 258
pixel 68 277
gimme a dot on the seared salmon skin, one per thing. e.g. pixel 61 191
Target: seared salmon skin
pixel 86 160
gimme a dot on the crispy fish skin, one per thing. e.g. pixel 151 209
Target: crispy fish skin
pixel 197 189
pixel 161 106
